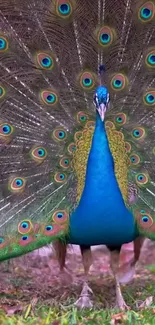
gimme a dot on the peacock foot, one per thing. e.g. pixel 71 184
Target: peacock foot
pixel 121 304
pixel 84 300
pixel 126 274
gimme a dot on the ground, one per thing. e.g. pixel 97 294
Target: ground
pixel 33 292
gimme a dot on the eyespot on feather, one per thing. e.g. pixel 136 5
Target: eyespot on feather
pixel 60 216
pixel 49 97
pixel 3 242
pixel 3 44
pixel 105 36
pixel 150 59
pixel 141 179
pixel 24 227
pixel 138 133
pixel 82 117
pixel 52 229
pixel 145 220
pixel 128 147
pixel 71 148
pixel 146 12
pixel 78 135
pixel 59 134
pixel 2 92
pixel 90 124
pixel 25 240
pixel 39 154
pixel 45 61
pixel 120 119
pixel 110 124
pixel 60 177
pixel 119 82
pixel 149 98
pixel 134 159
pixel 65 162
pixel 17 184
pixel 142 211
pixel 87 80
pixel 64 8
pixel 6 129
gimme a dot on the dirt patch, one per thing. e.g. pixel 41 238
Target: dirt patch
pixel 37 276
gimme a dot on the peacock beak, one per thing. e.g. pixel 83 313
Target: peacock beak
pixel 101 110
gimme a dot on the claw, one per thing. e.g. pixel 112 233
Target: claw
pixel 84 300
pixel 121 304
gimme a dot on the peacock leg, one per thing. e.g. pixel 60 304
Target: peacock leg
pixel 127 271
pixel 84 299
pixel 61 251
pixel 120 303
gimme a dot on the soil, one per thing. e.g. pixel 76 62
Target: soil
pixel 36 276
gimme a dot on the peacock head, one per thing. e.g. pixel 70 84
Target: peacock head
pixel 101 101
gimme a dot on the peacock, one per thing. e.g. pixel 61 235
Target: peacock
pixel 77 134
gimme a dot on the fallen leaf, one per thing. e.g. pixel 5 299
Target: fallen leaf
pixel 146 303
pixel 11 310
pixel 118 319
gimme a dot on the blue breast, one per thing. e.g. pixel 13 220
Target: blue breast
pixel 101 216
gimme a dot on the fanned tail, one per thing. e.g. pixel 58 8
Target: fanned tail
pixel 50 53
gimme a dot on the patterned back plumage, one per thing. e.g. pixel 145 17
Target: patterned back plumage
pixel 50 53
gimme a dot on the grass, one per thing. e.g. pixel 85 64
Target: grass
pixel 60 311
pixel 29 297
pixel 50 316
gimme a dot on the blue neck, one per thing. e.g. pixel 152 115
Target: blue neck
pixel 101 216
pixel 100 168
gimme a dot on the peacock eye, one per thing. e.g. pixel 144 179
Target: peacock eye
pixel 149 98
pixel 150 59
pixel 25 238
pixel 17 184
pixel 6 130
pixel 87 80
pixel 2 92
pixel 146 12
pixel 64 8
pixel 105 36
pixel 46 62
pixel 3 44
pixel 49 228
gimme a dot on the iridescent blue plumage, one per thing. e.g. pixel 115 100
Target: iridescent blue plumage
pixel 102 94
pixel 101 217
pixel 62 165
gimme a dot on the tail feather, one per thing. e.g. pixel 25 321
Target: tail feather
pixel 50 53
